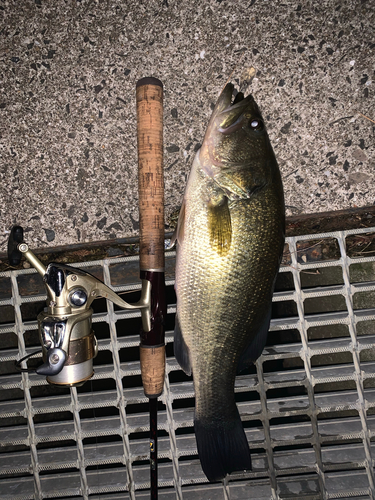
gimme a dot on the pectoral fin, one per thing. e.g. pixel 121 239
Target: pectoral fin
pixel 220 227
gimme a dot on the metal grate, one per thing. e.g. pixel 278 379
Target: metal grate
pixel 308 406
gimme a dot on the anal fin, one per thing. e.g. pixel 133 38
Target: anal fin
pixel 256 346
pixel 181 350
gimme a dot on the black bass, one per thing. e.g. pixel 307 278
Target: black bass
pixel 230 237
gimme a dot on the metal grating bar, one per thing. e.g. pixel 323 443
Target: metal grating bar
pixel 78 439
pixel 28 409
pixel 121 400
pixel 369 464
pixel 309 440
pixel 167 399
pixel 305 355
pixel 267 432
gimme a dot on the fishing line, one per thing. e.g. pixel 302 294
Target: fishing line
pixel 300 250
pixel 246 82
pixel 364 116
pixel 234 69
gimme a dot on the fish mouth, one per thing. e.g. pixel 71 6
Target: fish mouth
pixel 229 115
pixel 229 109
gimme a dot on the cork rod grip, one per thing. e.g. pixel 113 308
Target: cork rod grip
pixel 152 370
pixel 149 95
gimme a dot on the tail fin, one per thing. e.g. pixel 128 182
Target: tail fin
pixel 222 447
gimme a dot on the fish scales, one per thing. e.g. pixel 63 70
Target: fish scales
pixel 224 282
pixel 225 301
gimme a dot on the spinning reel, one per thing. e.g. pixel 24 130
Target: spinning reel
pixel 65 326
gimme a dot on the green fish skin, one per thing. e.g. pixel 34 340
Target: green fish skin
pixel 230 237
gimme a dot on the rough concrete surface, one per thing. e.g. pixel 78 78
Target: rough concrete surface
pixel 68 165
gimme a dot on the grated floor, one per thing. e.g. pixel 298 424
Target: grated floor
pixel 308 406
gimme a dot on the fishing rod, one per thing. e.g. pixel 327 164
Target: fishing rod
pixel 149 97
pixel 68 342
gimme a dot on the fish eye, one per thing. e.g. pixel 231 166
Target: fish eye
pixel 256 124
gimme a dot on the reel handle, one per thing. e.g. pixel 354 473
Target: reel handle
pixel 15 238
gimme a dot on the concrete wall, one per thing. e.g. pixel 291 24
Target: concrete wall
pixel 68 165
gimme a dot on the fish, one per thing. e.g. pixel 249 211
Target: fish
pixel 230 238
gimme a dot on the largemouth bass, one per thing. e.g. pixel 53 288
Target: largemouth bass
pixel 230 237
